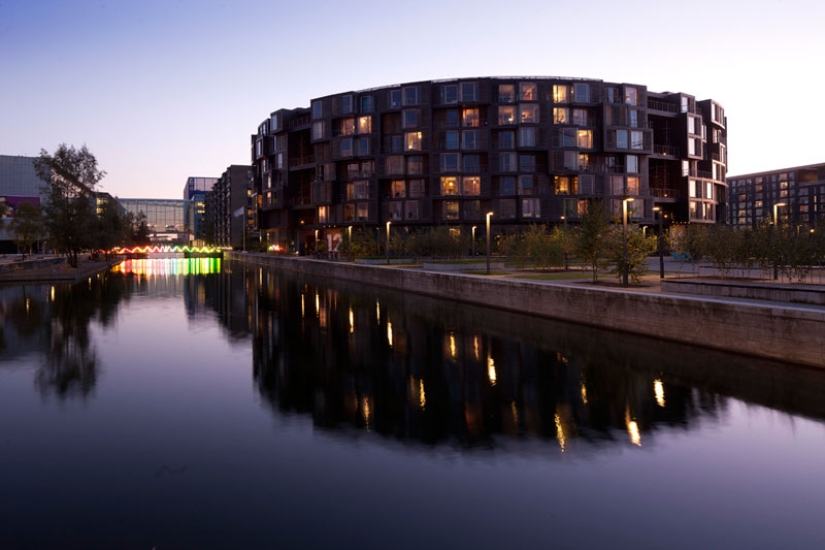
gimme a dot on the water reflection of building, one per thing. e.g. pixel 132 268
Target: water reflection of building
pixel 419 370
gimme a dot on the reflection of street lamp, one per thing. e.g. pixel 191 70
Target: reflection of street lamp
pixel 624 239
pixel 776 225
pixel 474 241
pixel 388 242
pixel 657 209
pixel 489 215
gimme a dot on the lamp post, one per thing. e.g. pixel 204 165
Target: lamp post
pixel 349 243
pixel 624 239
pixel 776 226
pixel 658 210
pixel 564 237
pixel 316 244
pixel 489 215
pixel 474 241
pixel 388 242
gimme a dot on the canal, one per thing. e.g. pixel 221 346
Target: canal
pixel 198 404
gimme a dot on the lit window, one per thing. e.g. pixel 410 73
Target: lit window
pixel 506 114
pixel 562 185
pixel 471 185
pixel 450 210
pixel 322 214
pixel 561 115
pixel 412 141
pixel 470 118
pixel 561 93
pixel 633 185
pixel 528 91
pixel 365 125
pixel 397 188
pixel 529 113
pixel 584 139
pixel 346 127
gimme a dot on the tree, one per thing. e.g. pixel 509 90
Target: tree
pixel 71 175
pixel 110 230
pixel 590 243
pixel 639 247
pixel 27 225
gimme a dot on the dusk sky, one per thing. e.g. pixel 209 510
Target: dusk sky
pixel 163 90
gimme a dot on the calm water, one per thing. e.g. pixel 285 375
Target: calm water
pixel 185 404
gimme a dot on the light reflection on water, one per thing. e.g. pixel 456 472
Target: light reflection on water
pixel 167 404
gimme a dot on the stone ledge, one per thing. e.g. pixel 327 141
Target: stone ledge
pixel 772 292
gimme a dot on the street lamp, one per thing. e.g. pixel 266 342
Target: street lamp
pixel 388 242
pixel 657 209
pixel 776 225
pixel 489 215
pixel 624 239
pixel 474 241
pixel 349 242
pixel 316 243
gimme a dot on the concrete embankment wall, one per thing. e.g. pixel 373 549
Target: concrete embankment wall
pixel 777 331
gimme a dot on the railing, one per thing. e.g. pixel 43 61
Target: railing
pixel 664 150
pixel 301 201
pixel 657 105
pixel 300 121
pixel 666 193
pixel 300 161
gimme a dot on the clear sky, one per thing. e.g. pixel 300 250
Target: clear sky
pixel 160 90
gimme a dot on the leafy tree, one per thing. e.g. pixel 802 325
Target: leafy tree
pixel 3 209
pixel 110 229
pixel 590 238
pixel 71 175
pixel 27 225
pixel 639 247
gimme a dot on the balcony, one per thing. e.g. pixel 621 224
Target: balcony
pixel 667 151
pixel 663 193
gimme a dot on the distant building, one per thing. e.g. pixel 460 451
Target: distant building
pixel 166 218
pixel 797 195
pixel 18 184
pixel 229 208
pixel 528 149
pixel 196 190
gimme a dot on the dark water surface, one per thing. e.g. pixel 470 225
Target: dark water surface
pixel 185 404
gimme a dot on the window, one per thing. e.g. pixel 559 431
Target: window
pixel 395 165
pixel 322 214
pixel 561 115
pixel 631 96
pixel 396 144
pixel 580 117
pixel 469 91
pixel 367 104
pixel 449 93
pixel 363 209
pixel 358 190
pixel 452 119
pixel 346 147
pixel 621 139
pixel 472 210
pixel 506 93
pixel 561 93
pixel 472 164
pixel 362 146
pixel 531 208
pixel 506 114
pixel 571 160
pixel 634 118
pixel 581 92
pixel 411 95
pixel 567 137
pixel 411 210
pixel 365 125
pixel 637 140
pixel 415 165
pixel 412 141
pixel 470 118
pixel 617 185
pixel 527 163
pixel 353 171
pixel 318 130
pixel 528 113
pixel 346 127
pixel 525 185
pixel 507 185
pixel 394 98
pixel 584 139
pixel 450 141
pixel 587 184
pixel 346 105
pixel 564 185
pixel 409 118
pixel 317 109
pixel 396 210
pixel 507 162
pixel 612 95
pixel 449 185
pixel 471 185
pixel 397 188
pixel 449 162
pixel 274 122
pixel 633 185
pixel 506 140
pixel 507 209
pixel 470 139
pixel 632 164
pixel 527 137
pixel 418 188
pixel 528 91
pixel 450 210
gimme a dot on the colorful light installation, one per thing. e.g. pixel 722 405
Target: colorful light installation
pixel 166 249
pixel 161 267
